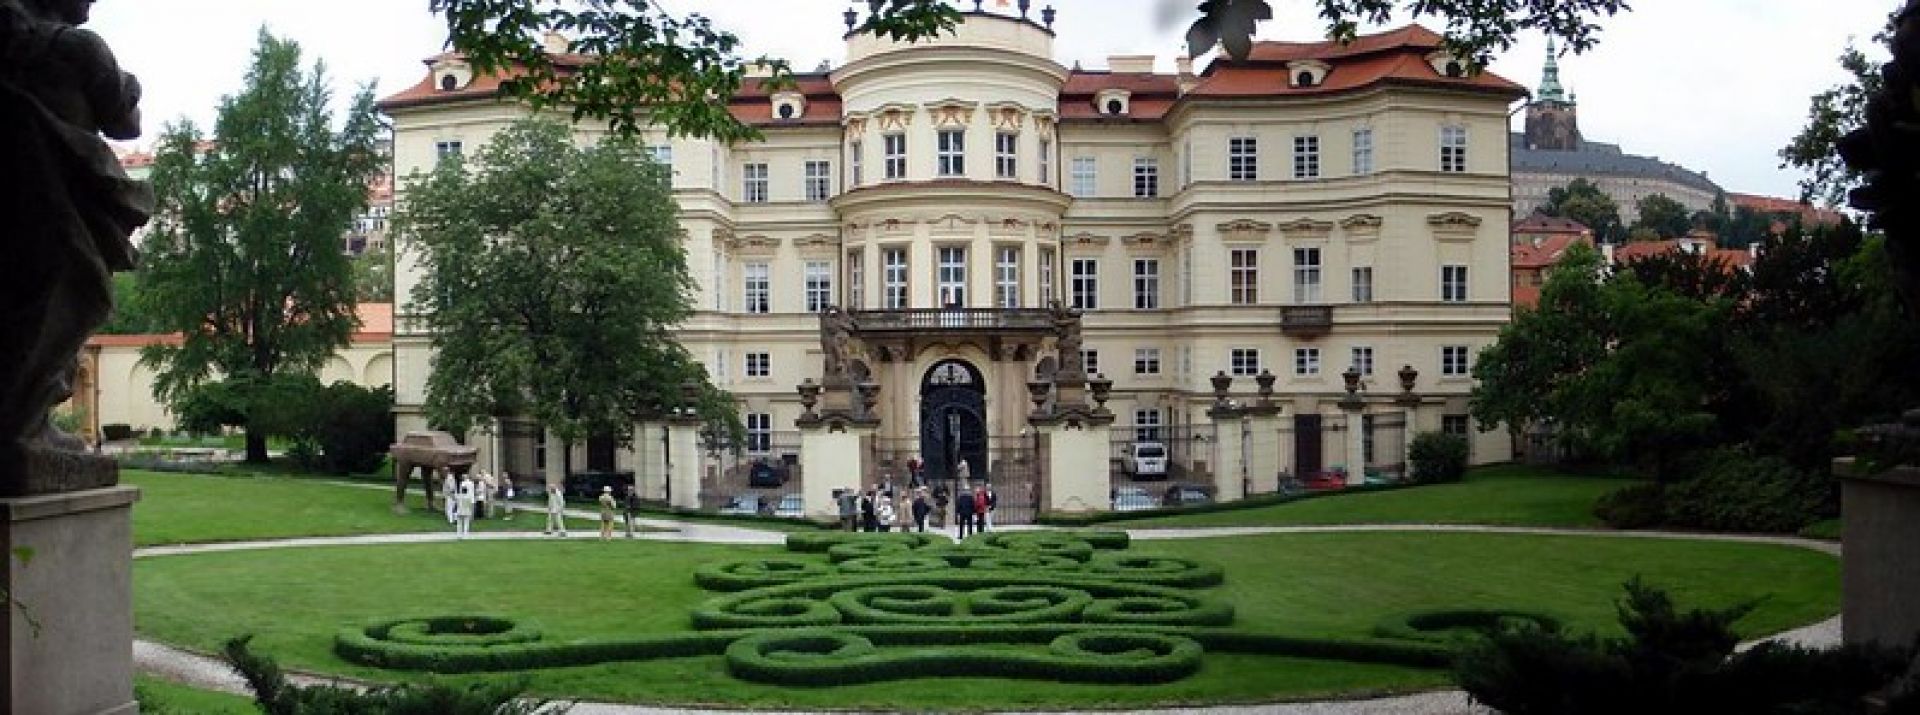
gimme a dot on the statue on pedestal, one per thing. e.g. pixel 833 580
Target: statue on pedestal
pixel 71 211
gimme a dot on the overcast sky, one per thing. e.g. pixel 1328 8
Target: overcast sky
pixel 1715 85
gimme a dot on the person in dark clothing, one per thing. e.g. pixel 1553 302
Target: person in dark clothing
pixel 849 509
pixel 868 521
pixel 940 499
pixel 920 509
pixel 963 511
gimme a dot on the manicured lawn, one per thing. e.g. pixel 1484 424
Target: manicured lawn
pixel 161 697
pixel 1508 495
pixel 1324 585
pixel 197 508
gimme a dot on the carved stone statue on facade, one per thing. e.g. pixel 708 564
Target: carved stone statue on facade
pixel 1067 331
pixel 70 212
pixel 836 345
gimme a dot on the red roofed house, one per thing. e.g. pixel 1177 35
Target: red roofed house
pixel 1538 242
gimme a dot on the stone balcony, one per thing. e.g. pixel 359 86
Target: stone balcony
pixel 936 320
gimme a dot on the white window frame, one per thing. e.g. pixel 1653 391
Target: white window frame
pixel 1306 275
pixel 950 151
pixel 951 276
pixel 1086 177
pixel 1146 361
pixel 819 285
pixel 1363 151
pixel 1046 162
pixel 855 150
pixel 1306 156
pixel 448 147
pixel 759 432
pixel 1453 283
pixel 1006 155
pixel 1455 361
pixel 1243 158
pixel 1006 277
pixel 1361 359
pixel 1306 362
pixel 1243 276
pixel 754 187
pixel 1146 177
pixel 1090 361
pixel 1084 283
pixel 819 180
pixel 1243 362
pixel 1146 284
pixel 756 288
pixel 894 156
pixel 759 364
pixel 856 280
pixel 1146 424
pixel 1453 148
pixel 1047 293
pixel 893 277
pixel 1362 284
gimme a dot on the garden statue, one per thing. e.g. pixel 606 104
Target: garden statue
pixel 836 344
pixel 71 211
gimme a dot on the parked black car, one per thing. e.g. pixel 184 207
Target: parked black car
pixel 766 474
pixel 586 485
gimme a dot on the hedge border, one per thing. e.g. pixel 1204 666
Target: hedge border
pixel 1115 600
pixel 1446 625
pixel 1253 502
pixel 831 658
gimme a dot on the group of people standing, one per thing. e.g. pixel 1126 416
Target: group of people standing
pixel 467 497
pixel 969 509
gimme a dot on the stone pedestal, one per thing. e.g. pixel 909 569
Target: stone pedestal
pixel 1356 448
pixel 1231 470
pixel 1078 481
pixel 683 463
pixel 832 456
pixel 69 631
pixel 1880 566
pixel 1263 451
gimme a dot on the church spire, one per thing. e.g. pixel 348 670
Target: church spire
pixel 1550 90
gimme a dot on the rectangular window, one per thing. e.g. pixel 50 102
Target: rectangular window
pixel 446 148
pixel 894 150
pixel 1046 277
pixel 819 276
pixel 1244 275
pixel 1363 284
pixel 1363 151
pixel 1084 178
pixel 856 280
pixel 953 277
pixel 1453 361
pixel 1453 149
pixel 1454 425
pixel 1366 438
pixel 759 432
pixel 1085 285
pixel 758 288
pixel 1146 284
pixel 1306 362
pixel 1186 163
pixel 1146 177
pixel 1243 159
pixel 1006 151
pixel 759 364
pixel 1146 361
pixel 1306 276
pixel 1362 360
pixel 952 152
pixel 1186 274
pixel 1306 157
pixel 819 180
pixel 1453 284
pixel 854 164
pixel 893 262
pixel 1046 162
pixel 1006 278
pixel 1245 362
pixel 754 177
pixel 662 156
pixel 1146 425
pixel 1090 360
pixel 719 282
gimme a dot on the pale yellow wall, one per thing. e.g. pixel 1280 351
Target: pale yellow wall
pixel 126 386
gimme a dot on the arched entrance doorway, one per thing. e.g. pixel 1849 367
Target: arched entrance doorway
pixel 953 420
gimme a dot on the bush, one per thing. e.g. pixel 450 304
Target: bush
pixel 1641 506
pixel 1438 458
pixel 822 658
pixel 1735 491
pixel 1670 662
pixel 351 425
pixel 276 696
pixel 116 432
pixel 1453 624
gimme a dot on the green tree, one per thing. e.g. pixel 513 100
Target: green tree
pixel 1663 215
pixel 680 72
pixel 130 315
pixel 244 257
pixel 373 275
pixel 1583 201
pixel 1517 377
pixel 552 277
pixel 1831 115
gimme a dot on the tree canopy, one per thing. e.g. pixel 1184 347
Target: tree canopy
pixel 1583 201
pixel 1663 216
pixel 552 277
pixel 244 257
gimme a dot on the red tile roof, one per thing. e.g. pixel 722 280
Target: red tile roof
pixel 1538 222
pixel 1809 214
pixel 1546 253
pixel 376 326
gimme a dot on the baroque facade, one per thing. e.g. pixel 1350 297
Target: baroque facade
pixel 1314 207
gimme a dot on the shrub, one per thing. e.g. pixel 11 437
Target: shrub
pixel 1453 624
pixel 351 425
pixel 276 696
pixel 1640 506
pixel 1735 491
pixel 1438 458
pixel 116 432
pixel 1670 662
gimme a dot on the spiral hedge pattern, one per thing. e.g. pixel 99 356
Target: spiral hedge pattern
pixel 845 608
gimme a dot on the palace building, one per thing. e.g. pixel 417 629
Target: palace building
pixel 1225 244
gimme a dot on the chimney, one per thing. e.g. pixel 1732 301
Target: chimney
pixel 1183 68
pixel 1130 64
pixel 1606 250
pixel 554 43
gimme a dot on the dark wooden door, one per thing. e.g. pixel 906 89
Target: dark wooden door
pixel 600 451
pixel 1306 446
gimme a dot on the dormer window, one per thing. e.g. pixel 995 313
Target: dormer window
pixel 450 73
pixel 449 83
pixel 1113 102
pixel 788 106
pixel 1307 73
pixel 1447 64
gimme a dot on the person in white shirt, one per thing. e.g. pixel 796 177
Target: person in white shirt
pixel 556 509
pixel 464 515
pixel 449 496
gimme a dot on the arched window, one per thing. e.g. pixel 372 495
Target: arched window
pixel 449 83
pixel 1304 79
pixel 786 111
pixel 1455 69
pixel 1115 107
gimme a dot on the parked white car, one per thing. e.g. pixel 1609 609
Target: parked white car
pixel 1145 460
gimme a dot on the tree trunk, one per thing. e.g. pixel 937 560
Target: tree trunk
pixel 256 447
pixel 566 461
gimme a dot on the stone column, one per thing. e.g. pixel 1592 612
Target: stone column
pixel 1230 472
pixel 980 267
pixel 1880 570
pixel 833 458
pixel 1262 448
pixel 1077 466
pixel 70 621
pixel 1356 445
pixel 683 462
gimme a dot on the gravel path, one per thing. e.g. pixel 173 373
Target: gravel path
pixel 202 671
